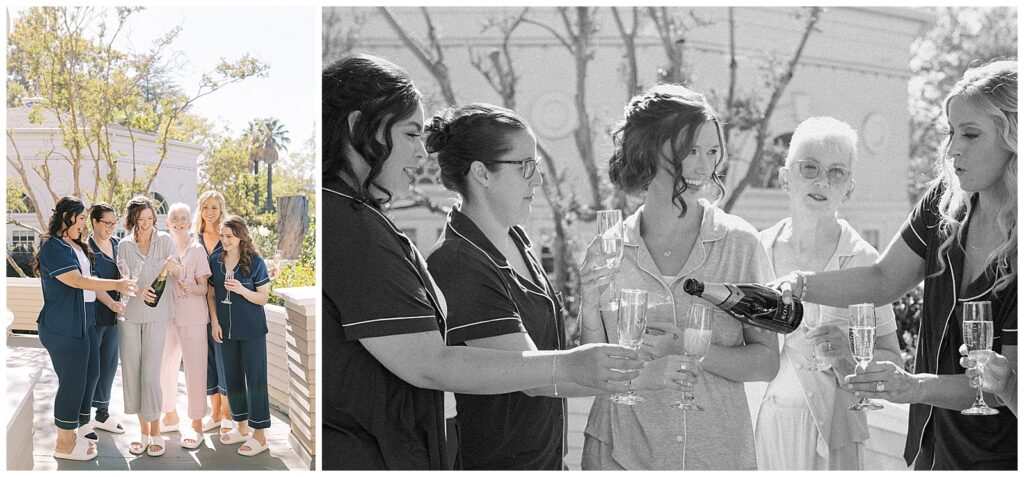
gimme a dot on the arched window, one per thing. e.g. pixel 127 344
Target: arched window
pixel 161 203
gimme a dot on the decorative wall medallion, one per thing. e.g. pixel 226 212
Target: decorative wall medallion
pixel 875 132
pixel 552 115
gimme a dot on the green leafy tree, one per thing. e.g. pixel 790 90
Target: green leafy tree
pixel 961 37
pixel 65 56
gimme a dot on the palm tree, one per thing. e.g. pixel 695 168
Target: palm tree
pixel 275 138
pixel 266 137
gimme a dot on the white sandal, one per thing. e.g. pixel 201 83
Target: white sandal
pixel 143 444
pixel 158 441
pixel 254 447
pixel 226 425
pixel 233 437
pixel 190 434
pixel 110 425
pixel 79 452
pixel 86 432
pixel 209 424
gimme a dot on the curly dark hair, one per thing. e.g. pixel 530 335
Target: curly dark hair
pixel 63 217
pixel 246 249
pixel 135 207
pixel 463 135
pixel 661 114
pixel 382 94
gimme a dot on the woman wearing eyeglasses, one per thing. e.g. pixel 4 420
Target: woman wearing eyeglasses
pixel 498 294
pixel 803 422
pixel 103 244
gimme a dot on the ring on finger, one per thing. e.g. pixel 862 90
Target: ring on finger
pixel 879 387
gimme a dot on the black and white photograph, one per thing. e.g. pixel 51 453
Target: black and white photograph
pixel 669 238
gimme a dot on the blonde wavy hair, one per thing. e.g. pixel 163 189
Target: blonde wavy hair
pixel 993 89
pixel 199 222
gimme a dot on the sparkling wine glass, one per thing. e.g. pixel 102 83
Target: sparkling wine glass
pixel 632 325
pixel 126 272
pixel 978 332
pixel 278 255
pixel 862 343
pixel 228 275
pixel 182 291
pixel 696 341
pixel 812 321
pixel 609 232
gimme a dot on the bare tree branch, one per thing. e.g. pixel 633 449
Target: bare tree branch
pixel 19 166
pixel 762 129
pixel 629 40
pixel 435 64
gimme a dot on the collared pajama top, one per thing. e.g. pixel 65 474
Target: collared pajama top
pixel 63 309
pixel 652 435
pixel 106 267
pixel 242 319
pixel 486 297
pixel 375 283
pixel 942 439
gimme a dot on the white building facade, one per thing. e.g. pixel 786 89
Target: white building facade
pixel 32 143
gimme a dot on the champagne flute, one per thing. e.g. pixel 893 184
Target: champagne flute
pixel 812 321
pixel 228 275
pixel 978 332
pixel 696 341
pixel 181 292
pixel 277 263
pixel 632 325
pixel 126 272
pixel 862 343
pixel 609 232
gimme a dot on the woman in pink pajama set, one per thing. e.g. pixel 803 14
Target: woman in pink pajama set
pixel 186 332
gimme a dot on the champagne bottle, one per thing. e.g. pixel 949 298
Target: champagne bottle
pixel 749 303
pixel 158 287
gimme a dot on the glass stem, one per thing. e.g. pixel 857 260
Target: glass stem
pixel 977 382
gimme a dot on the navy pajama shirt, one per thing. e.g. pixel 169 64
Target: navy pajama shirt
pixel 106 326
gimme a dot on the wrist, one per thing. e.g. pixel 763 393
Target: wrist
pixel 1009 392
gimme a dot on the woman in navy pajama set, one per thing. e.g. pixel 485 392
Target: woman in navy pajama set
pixel 210 212
pixel 241 329
pixel 66 323
pixel 103 244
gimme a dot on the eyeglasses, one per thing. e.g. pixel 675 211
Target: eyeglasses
pixel 108 223
pixel 178 220
pixel 811 169
pixel 529 166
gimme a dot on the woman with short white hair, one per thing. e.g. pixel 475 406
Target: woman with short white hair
pixel 186 331
pixel 803 422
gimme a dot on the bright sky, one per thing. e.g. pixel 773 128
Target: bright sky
pixel 284 37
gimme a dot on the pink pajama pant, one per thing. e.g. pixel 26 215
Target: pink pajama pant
pixel 188 344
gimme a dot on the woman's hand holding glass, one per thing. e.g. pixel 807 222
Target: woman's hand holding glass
pixel 995 375
pixel 674 372
pixel 829 343
pixel 697 335
pixel 601 366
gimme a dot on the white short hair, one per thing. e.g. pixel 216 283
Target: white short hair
pixel 179 206
pixel 826 131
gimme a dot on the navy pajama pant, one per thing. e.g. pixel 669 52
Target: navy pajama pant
pixel 77 364
pixel 245 367
pixel 215 381
pixel 108 353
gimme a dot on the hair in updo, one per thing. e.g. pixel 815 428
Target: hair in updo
pixel 383 94
pixel 664 113
pixel 474 132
